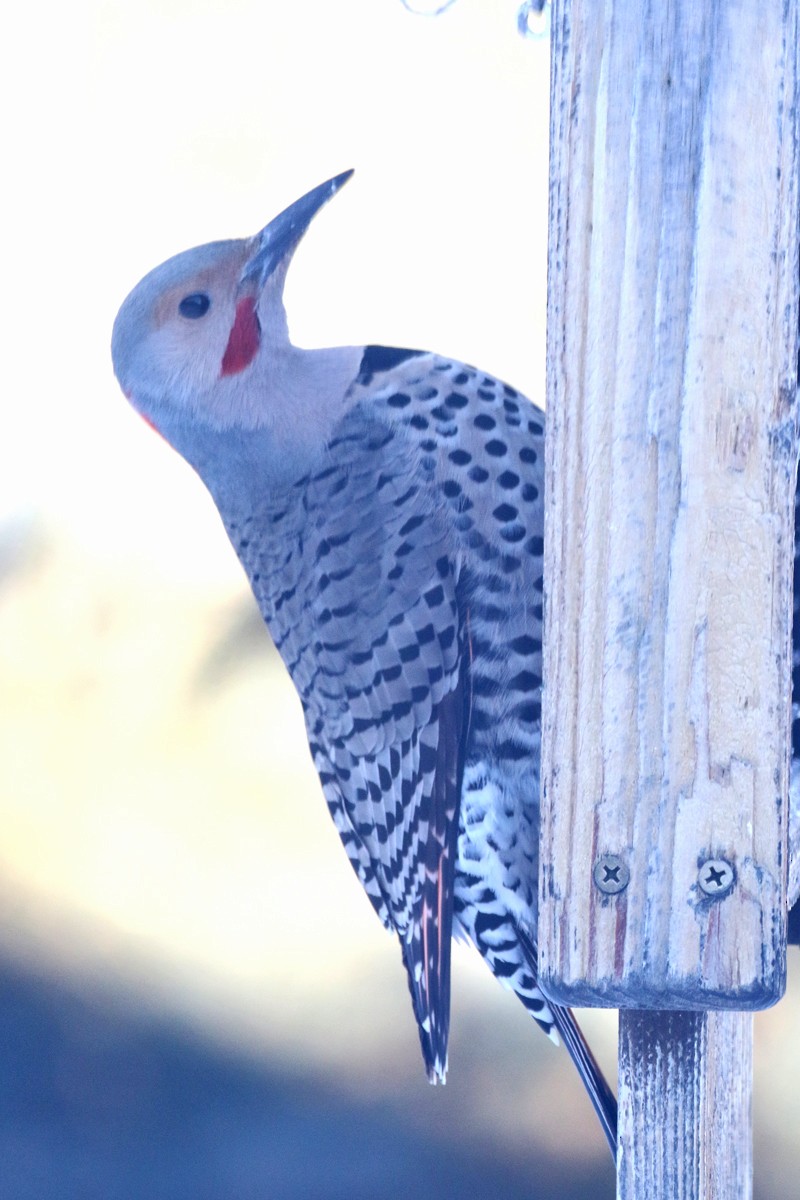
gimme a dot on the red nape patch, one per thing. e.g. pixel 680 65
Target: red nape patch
pixel 244 340
pixel 150 424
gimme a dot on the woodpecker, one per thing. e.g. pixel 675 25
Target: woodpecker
pixel 386 505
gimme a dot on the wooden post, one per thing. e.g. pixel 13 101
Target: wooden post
pixel 672 332
pixel 685 1087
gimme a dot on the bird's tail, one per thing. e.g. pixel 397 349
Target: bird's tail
pixel 600 1094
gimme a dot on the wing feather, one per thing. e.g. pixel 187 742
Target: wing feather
pixel 384 687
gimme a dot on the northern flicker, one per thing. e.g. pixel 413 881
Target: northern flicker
pixel 386 505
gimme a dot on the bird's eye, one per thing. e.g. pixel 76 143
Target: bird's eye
pixel 195 305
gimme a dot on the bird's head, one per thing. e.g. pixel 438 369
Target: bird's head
pixel 194 332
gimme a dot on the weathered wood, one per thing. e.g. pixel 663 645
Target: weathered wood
pixel 794 847
pixel 685 1082
pixel 670 458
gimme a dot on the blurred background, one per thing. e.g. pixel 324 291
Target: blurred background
pixel 196 999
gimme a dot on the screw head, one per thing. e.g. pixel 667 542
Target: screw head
pixel 716 877
pixel 611 874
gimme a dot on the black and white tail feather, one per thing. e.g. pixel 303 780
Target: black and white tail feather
pixel 603 1099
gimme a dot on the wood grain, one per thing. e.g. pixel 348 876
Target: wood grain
pixel 672 331
pixel 685 1082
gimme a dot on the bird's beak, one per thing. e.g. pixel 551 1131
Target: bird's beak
pixel 278 239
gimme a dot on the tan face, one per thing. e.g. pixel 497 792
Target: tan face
pixel 203 337
pixel 172 332
pixel 194 334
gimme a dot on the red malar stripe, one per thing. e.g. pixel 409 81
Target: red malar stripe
pixel 244 339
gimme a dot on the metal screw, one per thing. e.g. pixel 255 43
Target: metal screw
pixel 716 877
pixel 611 874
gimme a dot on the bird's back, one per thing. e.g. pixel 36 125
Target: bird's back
pixel 401 578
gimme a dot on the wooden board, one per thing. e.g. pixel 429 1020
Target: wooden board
pixel 671 452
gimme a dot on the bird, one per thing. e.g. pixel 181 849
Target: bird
pixel 387 507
